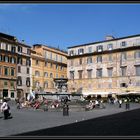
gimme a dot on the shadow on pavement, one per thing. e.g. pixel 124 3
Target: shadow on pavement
pixel 121 124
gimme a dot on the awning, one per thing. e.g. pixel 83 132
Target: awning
pixel 96 93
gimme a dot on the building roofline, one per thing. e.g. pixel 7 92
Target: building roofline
pixel 104 41
pixel 10 37
pixel 50 47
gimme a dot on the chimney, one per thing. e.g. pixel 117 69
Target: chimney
pixel 109 37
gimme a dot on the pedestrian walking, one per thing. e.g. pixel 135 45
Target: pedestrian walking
pixel 5 108
pixel 127 104
pixel 120 103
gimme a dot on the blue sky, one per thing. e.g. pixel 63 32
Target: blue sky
pixel 67 25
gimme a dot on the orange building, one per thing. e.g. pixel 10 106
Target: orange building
pixel 47 63
pixel 8 59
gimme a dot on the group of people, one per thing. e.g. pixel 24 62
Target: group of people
pixel 126 101
pixel 95 103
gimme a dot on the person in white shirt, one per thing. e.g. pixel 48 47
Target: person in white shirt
pixel 5 109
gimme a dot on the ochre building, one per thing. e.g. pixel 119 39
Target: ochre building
pixel 105 67
pixel 47 63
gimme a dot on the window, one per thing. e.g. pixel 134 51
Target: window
pixel 19 49
pixel 45 74
pixel 13 49
pixel 57 66
pixel 6 47
pixel 51 75
pixel 37 62
pixel 138 83
pixel 3 46
pixel 28 81
pixel 19 81
pixel 46 84
pixel 28 62
pixel 46 64
pixel 28 70
pixel 89 60
pixel 5 83
pixel 37 73
pixel 13 60
pixel 99 59
pixel 80 74
pixel 61 68
pixel 6 71
pixel 37 84
pixel 61 59
pixel 28 51
pixel 123 56
pixel 71 62
pixel 137 54
pixel 71 75
pixel 109 85
pixel 89 73
pixel 71 53
pixel 56 57
pixel 62 76
pixel 100 48
pixel 99 73
pixel 12 84
pixel 123 71
pixel 51 65
pixel 19 60
pixel 1 58
pixel 99 86
pixel 110 70
pixel 137 70
pixel 80 51
pixel 50 55
pixel 12 71
pixel 123 43
pixel 89 49
pixel 110 58
pixel 12 95
pixel 56 75
pixel 19 69
pixel 0 71
pixel 110 46
pixel 123 85
pixel 6 59
pixel 80 61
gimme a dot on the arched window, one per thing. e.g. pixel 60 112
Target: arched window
pixel 37 73
pixel 37 83
pixel 51 75
pixel 46 84
pixel 19 81
pixel 45 74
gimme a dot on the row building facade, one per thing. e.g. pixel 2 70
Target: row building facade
pixel 105 67
pixel 47 63
pixel 14 62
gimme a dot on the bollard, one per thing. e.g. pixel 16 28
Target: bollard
pixel 65 110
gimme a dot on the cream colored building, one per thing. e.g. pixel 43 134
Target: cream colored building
pixel 105 67
pixel 47 63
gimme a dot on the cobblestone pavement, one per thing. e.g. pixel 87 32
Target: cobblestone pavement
pixel 25 120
